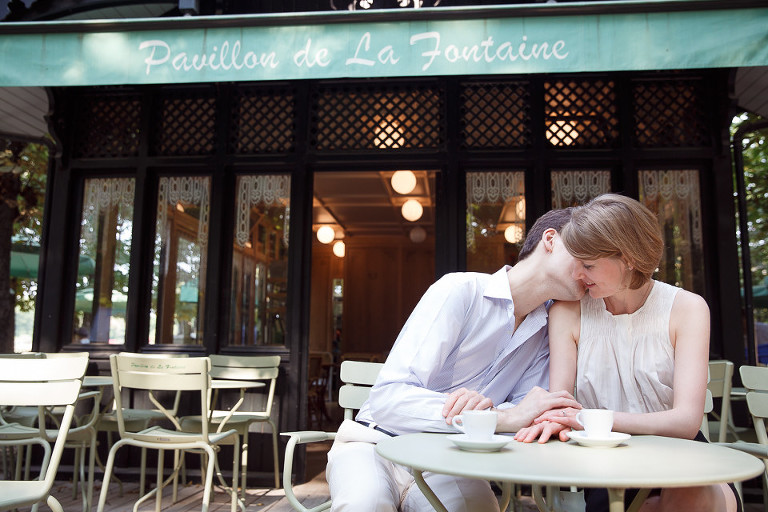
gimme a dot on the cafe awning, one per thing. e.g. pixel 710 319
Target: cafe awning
pixel 574 37
pixel 24 263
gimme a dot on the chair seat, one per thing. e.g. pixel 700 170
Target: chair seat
pixel 240 421
pixel 158 435
pixel 20 493
pixel 16 431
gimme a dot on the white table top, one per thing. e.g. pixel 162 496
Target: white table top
pixel 642 462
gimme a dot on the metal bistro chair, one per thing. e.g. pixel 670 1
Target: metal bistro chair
pixel 246 369
pixel 720 384
pixel 41 383
pixel 81 436
pixel 136 419
pixel 137 371
pixel 358 377
pixel 755 380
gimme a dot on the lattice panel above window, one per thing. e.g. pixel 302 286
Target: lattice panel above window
pixel 670 114
pixel 581 113
pixel 106 126
pixel 184 125
pixel 349 117
pixel 263 121
pixel 495 115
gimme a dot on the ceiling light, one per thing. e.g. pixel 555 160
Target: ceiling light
pixel 412 210
pixel 403 182
pixel 417 235
pixel 513 234
pixel 520 209
pixel 339 249
pixel 326 234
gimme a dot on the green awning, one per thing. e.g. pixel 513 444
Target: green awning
pixel 446 41
pixel 24 265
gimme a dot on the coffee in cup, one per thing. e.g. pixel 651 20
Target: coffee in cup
pixel 596 422
pixel 478 425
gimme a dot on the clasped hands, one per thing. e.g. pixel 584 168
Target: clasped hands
pixel 555 422
pixel 540 414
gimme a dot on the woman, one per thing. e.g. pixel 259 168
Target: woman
pixel 634 345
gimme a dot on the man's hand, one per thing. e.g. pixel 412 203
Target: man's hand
pixel 536 402
pixel 464 400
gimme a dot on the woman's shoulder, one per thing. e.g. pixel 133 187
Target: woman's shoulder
pixel 562 308
pixel 688 303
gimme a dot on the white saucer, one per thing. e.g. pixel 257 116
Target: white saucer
pixel 465 443
pixel 613 439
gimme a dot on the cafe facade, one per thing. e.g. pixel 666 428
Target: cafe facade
pixel 199 153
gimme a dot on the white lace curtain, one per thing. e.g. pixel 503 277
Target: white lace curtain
pixel 267 191
pixel 491 188
pixel 186 190
pixel 682 188
pixel 102 194
pixel 571 188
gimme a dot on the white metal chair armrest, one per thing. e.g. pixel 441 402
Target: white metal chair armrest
pixel 297 438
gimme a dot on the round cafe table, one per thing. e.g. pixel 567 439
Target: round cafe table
pixel 640 462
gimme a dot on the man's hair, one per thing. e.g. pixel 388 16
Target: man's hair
pixel 553 219
pixel 612 225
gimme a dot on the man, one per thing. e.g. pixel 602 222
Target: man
pixel 473 341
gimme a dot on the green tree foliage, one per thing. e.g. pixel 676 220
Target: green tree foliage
pixel 755 147
pixel 23 169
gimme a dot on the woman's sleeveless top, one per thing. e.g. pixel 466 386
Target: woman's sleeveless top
pixel 626 362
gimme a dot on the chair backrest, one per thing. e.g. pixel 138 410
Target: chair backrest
pixel 719 385
pixel 720 378
pixel 358 377
pixel 708 406
pixel 755 380
pixel 158 373
pixel 248 368
pixel 30 381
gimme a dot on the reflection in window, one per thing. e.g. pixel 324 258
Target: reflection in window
pixel 495 219
pixel 105 248
pixel 260 260
pixel 577 187
pixel 180 264
pixel 674 197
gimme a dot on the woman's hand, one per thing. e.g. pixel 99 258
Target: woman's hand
pixel 543 430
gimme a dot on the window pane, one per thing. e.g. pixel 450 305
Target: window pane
pixel 576 187
pixel 105 250
pixel 495 219
pixel 260 260
pixel 674 197
pixel 180 264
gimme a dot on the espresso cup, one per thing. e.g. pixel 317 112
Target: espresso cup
pixel 596 422
pixel 478 425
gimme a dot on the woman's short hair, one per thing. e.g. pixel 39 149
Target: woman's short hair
pixel 612 225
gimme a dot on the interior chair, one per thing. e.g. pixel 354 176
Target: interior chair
pixel 317 388
pixel 156 374
pixel 81 436
pixel 247 369
pixel 357 378
pixel 41 383
pixel 136 419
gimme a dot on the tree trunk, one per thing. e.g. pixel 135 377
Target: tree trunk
pixel 9 191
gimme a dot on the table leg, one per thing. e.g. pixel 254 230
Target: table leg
pixel 616 500
pixel 431 497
